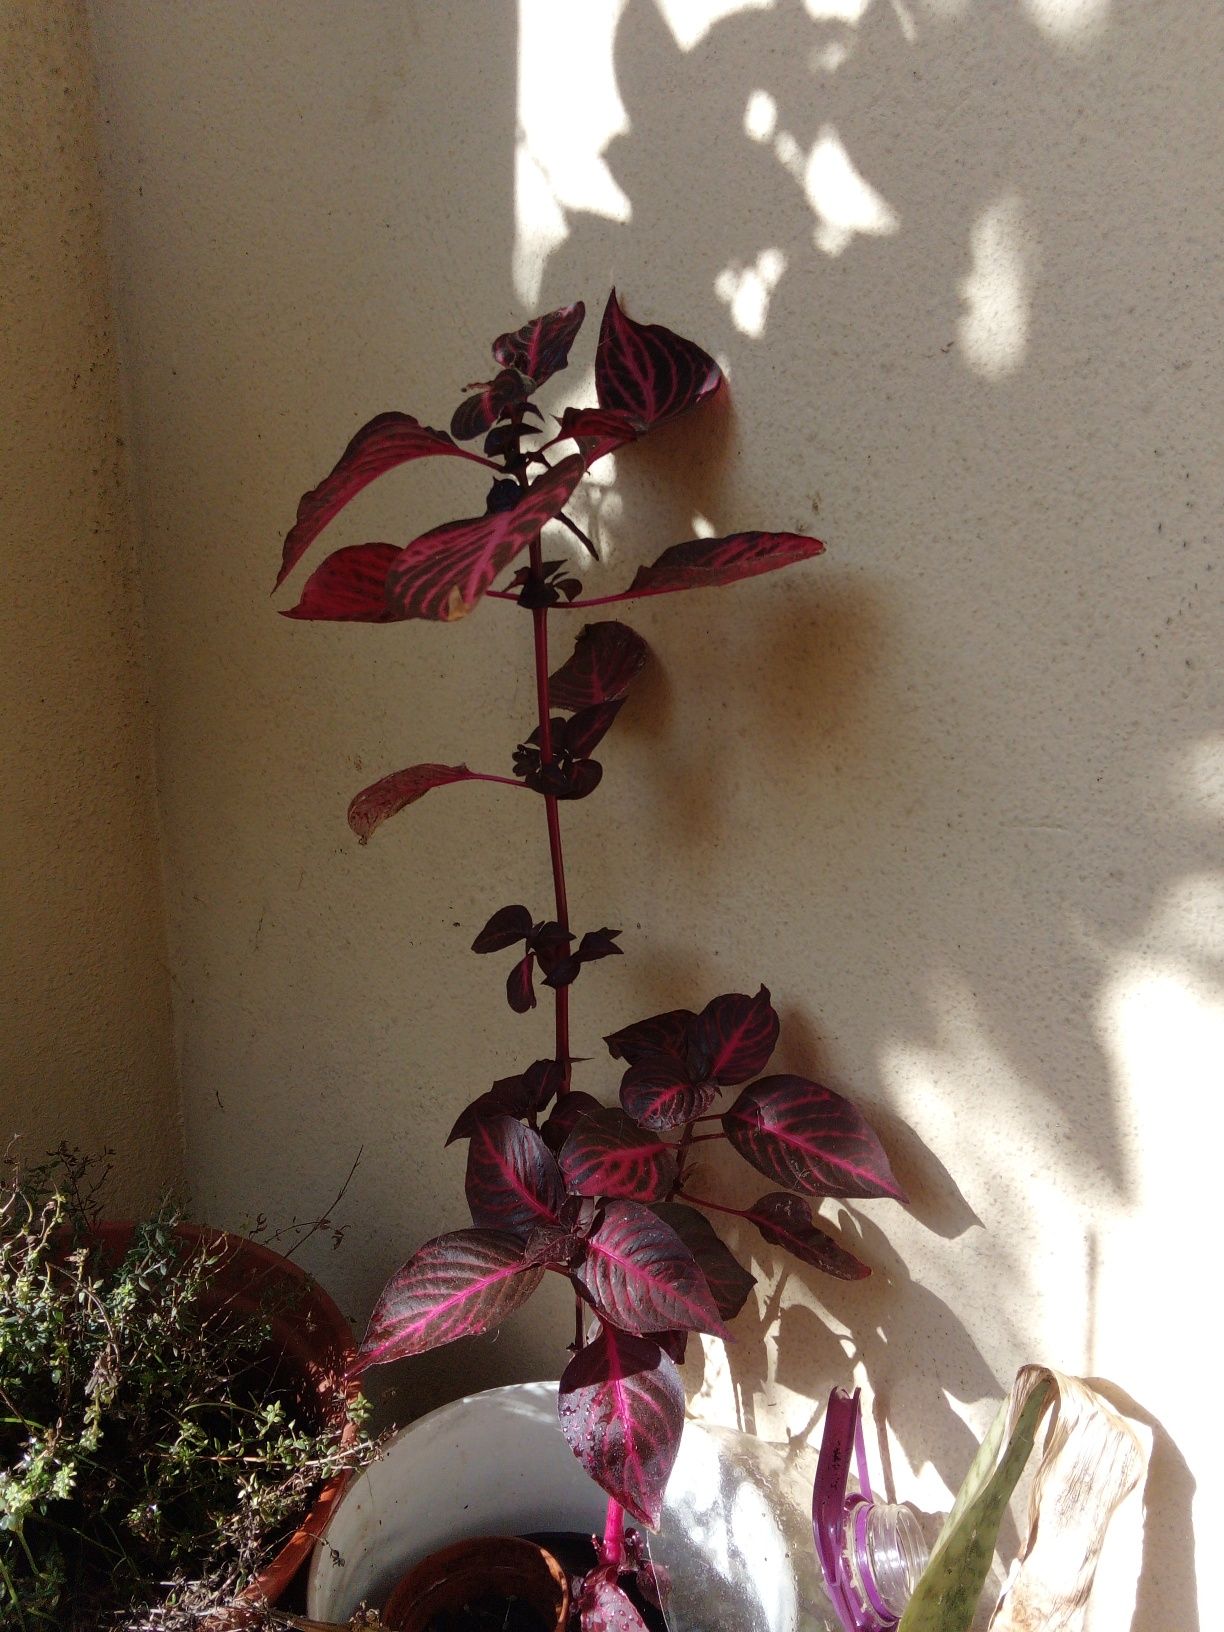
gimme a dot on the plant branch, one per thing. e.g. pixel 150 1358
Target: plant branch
pixel 578 533
pixel 714 1206
pixel 539 628
pixel 614 1534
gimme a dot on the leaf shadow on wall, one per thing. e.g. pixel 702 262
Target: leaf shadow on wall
pixel 964 739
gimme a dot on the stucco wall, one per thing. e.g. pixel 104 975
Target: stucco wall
pixel 85 1036
pixel 952 792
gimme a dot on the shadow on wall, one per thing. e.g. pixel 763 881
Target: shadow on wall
pixel 964 734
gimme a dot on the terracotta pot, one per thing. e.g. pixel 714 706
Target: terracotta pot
pixel 313 1336
pixel 481 1566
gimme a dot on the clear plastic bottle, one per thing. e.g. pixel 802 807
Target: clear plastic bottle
pixel 736 1537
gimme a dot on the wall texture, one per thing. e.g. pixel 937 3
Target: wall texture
pixel 85 1034
pixel 952 792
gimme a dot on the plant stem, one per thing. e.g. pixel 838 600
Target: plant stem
pixel 716 1206
pixel 539 629
pixel 614 1534
pixel 578 533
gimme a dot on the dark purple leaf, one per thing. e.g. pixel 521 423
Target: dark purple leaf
pixel 564 973
pixel 606 659
pixel 621 1406
pixel 704 563
pixel 586 730
pixel 646 371
pixel 639 1275
pixel 387 441
pixel 502 495
pixel 512 1181
pixel 443 573
pixel 388 796
pixel 607 1155
pixel 542 1082
pixel 786 1221
pixel 569 587
pixel 455 1286
pixel 550 943
pixel 728 1280
pixel 477 413
pixel 520 993
pixel 541 347
pixel 501 440
pixel 653 1581
pixel 673 1344
pixel 565 1115
pixel 507 927
pixel 509 1096
pixel 598 943
pixel 349 587
pixel 575 781
pixel 658 1093
pixel 808 1138
pixel 660 1034
pixel 554 1246
pixel 734 1037
pixel 598 431
pixel 604 1607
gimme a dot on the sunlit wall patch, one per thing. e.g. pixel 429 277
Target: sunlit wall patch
pixel 565 122
pixel 747 290
pixel 1072 22
pixel 997 290
pixel 842 199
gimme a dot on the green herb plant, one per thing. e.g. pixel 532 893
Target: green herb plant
pixel 151 1458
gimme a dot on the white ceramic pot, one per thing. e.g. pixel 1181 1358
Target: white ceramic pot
pixel 497 1464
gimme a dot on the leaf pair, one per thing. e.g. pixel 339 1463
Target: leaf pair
pixel 679 1060
pixel 442 574
pixel 547 944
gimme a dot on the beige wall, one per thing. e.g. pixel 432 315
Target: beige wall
pixel 85 1036
pixel 953 792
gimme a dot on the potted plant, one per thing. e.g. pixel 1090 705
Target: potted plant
pixel 557 1181
pixel 175 1418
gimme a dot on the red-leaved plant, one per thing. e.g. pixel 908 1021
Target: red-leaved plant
pixel 557 1182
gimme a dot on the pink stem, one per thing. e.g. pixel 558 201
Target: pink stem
pixel 539 627
pixel 614 1535
pixel 716 1206
pixel 506 781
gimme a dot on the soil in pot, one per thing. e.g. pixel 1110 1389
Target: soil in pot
pixel 482 1584
pixel 501 1584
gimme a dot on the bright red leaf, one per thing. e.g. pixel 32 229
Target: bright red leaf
pixel 541 347
pixel 621 1407
pixel 350 586
pixel 443 574
pixel 387 441
pixel 786 1221
pixel 808 1138
pixel 512 1182
pixel 387 797
pixel 705 563
pixel 607 1155
pixel 647 372
pixel 658 1093
pixel 456 1285
pixel 606 659
pixel 639 1275
pixel 734 1036
pixel 728 1280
